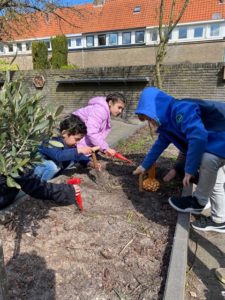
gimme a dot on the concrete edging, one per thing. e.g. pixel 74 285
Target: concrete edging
pixel 176 275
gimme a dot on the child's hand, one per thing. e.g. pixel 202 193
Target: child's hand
pixel 139 170
pixel 170 175
pixel 77 189
pixel 97 167
pixel 186 180
pixel 110 152
pixel 84 150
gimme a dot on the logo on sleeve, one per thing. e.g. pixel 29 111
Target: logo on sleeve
pixel 179 118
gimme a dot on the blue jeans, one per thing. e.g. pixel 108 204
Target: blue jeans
pixel 46 170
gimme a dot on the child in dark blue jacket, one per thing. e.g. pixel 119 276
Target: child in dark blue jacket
pixel 197 129
pixel 60 152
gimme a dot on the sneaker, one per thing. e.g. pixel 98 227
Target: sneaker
pixel 186 204
pixel 207 224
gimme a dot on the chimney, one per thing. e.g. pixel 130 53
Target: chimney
pixel 99 2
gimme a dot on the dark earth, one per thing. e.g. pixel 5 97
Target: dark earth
pixel 117 248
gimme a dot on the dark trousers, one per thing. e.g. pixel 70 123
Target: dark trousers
pixel 31 185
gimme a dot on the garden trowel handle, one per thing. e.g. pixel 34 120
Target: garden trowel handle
pixel 93 154
pixel 140 182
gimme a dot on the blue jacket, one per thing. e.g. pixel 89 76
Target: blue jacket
pixel 193 126
pixel 56 150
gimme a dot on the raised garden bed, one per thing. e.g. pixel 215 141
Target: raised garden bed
pixel 118 248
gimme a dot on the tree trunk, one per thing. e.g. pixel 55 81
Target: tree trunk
pixel 3 278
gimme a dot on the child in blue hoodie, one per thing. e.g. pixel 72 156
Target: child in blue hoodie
pixel 197 128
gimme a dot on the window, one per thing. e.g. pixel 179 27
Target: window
pixel 48 44
pixel 113 39
pixel 69 43
pixel 126 38
pixel 1 48
pixel 165 32
pixel 198 32
pixel 182 33
pixel 215 30
pixel 139 37
pixel 10 47
pixel 90 41
pixel 154 35
pixel 78 42
pixel 102 40
pixel 28 46
pixel 19 47
pixel 137 9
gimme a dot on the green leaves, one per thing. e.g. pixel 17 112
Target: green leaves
pixel 24 124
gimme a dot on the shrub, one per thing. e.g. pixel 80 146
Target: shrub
pixel 69 67
pixel 24 125
pixel 7 66
pixel 40 55
pixel 59 52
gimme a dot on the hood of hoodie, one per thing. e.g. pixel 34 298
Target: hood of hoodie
pixel 154 104
pixel 100 101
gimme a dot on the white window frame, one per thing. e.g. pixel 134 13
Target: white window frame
pixel 102 35
pixel 117 39
pixel 210 30
pixel 17 49
pixel 182 28
pixel 93 39
pixel 130 37
pixel 2 46
pixel 135 33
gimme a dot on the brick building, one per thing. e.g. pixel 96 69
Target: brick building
pixel 122 33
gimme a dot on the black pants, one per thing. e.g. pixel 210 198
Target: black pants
pixel 31 185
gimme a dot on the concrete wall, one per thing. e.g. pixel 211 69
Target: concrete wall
pixel 196 52
pixel 183 80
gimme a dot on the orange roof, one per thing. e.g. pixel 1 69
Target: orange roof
pixel 113 15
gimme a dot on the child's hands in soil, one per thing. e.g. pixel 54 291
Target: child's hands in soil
pixel 110 152
pixel 139 170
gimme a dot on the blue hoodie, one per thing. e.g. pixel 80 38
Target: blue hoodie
pixel 191 125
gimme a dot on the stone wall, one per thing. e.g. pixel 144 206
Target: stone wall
pixel 183 80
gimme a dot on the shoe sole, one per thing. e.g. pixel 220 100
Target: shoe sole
pixel 209 228
pixel 186 210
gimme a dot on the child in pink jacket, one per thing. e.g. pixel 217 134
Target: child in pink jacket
pixel 97 117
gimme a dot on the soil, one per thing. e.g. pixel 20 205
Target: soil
pixel 118 248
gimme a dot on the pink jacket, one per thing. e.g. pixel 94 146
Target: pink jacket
pixel 96 116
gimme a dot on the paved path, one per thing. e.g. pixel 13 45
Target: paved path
pixel 122 129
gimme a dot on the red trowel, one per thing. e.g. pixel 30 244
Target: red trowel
pixel 121 157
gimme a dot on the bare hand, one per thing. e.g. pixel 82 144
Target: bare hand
pixel 186 180
pixel 84 150
pixel 139 170
pixel 170 175
pixel 110 152
pixel 77 189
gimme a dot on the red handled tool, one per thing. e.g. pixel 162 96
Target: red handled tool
pixel 78 195
pixel 121 157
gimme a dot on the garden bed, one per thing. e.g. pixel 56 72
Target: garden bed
pixel 118 248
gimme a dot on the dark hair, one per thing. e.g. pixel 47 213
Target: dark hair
pixel 73 125
pixel 116 97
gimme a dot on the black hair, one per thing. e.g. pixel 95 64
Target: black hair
pixel 73 125
pixel 116 97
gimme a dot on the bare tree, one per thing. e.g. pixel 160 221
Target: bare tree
pixel 167 23
pixel 19 15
